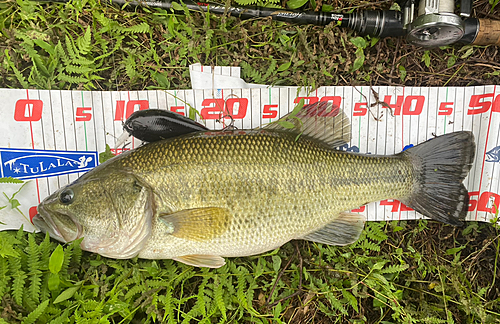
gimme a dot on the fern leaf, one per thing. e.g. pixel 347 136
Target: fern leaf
pixel 375 232
pixel 140 28
pixel 246 2
pixel 336 303
pixel 367 245
pixel 63 318
pixel 130 67
pixel 19 76
pixel 84 42
pixel 76 257
pixel 201 297
pixel 395 268
pixel 34 315
pixel 45 251
pixel 183 276
pixel 34 269
pixel 7 243
pixel 4 276
pixel 70 47
pixel 270 69
pixel 218 296
pixel 241 288
pixel 59 50
pixel 82 61
pixel 68 253
pixel 10 180
pixel 70 79
pixel 35 58
pixel 78 69
pixel 134 291
pixel 168 306
pixel 19 278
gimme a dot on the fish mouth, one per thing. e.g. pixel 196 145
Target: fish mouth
pixel 47 224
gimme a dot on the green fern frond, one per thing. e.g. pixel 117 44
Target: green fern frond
pixel 19 76
pixel 130 67
pixel 272 67
pixel 201 296
pixel 70 47
pixel 375 231
pixel 219 296
pixel 19 278
pixel 7 245
pixel 61 53
pixel 395 268
pixel 185 275
pixel 336 304
pixel 71 79
pixel 34 269
pixel 250 72
pixel 45 251
pixel 140 28
pixel 246 2
pixel 135 290
pixel 34 315
pixel 84 42
pixel 10 180
pixel 68 253
pixel 76 258
pixel 82 61
pixel 241 288
pixel 78 69
pixel 63 318
pixel 168 306
pixel 367 245
pixel 4 276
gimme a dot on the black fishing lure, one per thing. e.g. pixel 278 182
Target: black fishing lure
pixel 153 125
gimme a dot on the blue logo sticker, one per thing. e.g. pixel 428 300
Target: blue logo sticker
pixel 348 148
pixel 30 164
pixel 493 155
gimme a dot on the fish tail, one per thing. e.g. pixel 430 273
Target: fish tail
pixel 440 165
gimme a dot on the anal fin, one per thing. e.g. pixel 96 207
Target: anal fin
pixel 202 260
pixel 344 230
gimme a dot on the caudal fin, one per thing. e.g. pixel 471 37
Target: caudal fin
pixel 441 164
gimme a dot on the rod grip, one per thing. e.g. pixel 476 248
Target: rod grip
pixel 488 32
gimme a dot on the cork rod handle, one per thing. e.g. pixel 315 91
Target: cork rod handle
pixel 488 33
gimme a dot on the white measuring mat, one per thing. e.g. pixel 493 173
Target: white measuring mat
pixel 50 138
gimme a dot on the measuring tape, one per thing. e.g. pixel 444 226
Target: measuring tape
pixel 52 137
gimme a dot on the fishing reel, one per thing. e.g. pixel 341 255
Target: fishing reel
pixel 435 23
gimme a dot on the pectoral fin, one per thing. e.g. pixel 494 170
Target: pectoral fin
pixel 198 224
pixel 201 260
pixel 346 229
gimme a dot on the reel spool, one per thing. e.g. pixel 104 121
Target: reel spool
pixel 436 24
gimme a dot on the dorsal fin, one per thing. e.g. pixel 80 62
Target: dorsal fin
pixel 322 121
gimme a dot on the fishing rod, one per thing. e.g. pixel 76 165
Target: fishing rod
pixel 434 25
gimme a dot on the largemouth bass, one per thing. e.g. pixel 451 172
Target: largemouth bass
pixel 204 196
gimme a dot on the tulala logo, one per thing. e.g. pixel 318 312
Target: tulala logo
pixel 493 155
pixel 29 164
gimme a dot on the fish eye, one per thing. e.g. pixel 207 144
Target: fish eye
pixel 66 196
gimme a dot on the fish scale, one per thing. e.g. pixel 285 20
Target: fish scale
pixel 271 183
